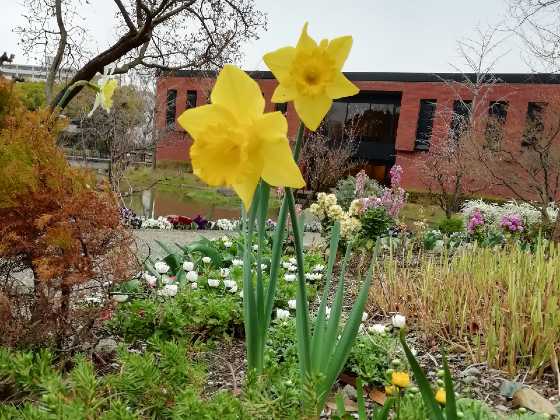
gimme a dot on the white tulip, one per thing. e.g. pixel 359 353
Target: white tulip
pixel 150 280
pixel 168 290
pixel 293 261
pixel 286 265
pixel 206 260
pixel 282 314
pixel 364 316
pixel 192 276
pixel 213 282
pixel 292 304
pixel 290 277
pixel 292 268
pixel 224 272
pixel 398 320
pixel 228 244
pixel 377 328
pixel 120 298
pixel 161 267
pixel 237 262
pixel 188 266
pixel 194 286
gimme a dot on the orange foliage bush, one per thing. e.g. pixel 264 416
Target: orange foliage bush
pixel 61 224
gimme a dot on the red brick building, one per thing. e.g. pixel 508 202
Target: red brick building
pixel 400 110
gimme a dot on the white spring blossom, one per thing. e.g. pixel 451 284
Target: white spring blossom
pixel 230 285
pixel 224 272
pixel 159 223
pixel 293 260
pixel 213 282
pixel 292 304
pixel 228 244
pixel 289 277
pixel 364 316
pixel 398 321
pixel 226 224
pixel 282 313
pixel 188 266
pixel 319 268
pixel 286 265
pixel 192 276
pixel 206 260
pixel 377 328
pixel 151 281
pixel 313 276
pixel 292 268
pixel 255 247
pixel 493 212
pixel 168 290
pixel 237 262
pixel 120 298
pixel 161 267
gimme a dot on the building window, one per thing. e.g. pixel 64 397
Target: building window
pixel 282 107
pixel 171 107
pixel 191 99
pixel 425 124
pixel 534 123
pixel 497 115
pixel 460 119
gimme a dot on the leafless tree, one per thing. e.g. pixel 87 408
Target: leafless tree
pixel 451 168
pixel 325 160
pixel 537 22
pixel 150 34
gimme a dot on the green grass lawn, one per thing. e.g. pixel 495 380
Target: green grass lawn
pixel 413 212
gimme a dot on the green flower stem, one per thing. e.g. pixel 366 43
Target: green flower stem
pixel 253 338
pixel 278 241
pixel 264 192
pixel 302 310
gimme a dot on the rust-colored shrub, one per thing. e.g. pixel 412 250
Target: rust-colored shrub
pixel 60 224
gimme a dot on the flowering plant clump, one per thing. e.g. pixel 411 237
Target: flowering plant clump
pixel 512 223
pixel 476 222
pixel 328 211
pixel 159 223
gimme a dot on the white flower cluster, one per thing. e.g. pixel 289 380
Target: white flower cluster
pixel 328 211
pixel 313 276
pixel 159 223
pixel 226 224
pixel 493 212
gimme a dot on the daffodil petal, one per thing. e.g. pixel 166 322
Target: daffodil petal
pixel 283 93
pixel 341 87
pixel 280 62
pixel 312 109
pixel 196 120
pixel 282 171
pixel 236 91
pixel 246 189
pixel 305 42
pixel 338 49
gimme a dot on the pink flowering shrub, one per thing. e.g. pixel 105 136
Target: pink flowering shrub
pixel 475 221
pixel 512 223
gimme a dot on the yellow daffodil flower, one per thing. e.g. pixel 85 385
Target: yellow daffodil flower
pixel 311 75
pixel 235 143
pixel 440 396
pixel 105 89
pixel 400 379
pixel 391 390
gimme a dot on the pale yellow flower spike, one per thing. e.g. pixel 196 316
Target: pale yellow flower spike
pixel 311 75
pixel 235 143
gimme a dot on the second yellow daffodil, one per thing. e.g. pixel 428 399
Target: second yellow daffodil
pixel 235 143
pixel 311 75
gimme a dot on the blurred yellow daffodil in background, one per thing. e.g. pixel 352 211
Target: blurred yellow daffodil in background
pixel 311 75
pixel 235 143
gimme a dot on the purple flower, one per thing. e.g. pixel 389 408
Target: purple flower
pixel 200 221
pixel 361 178
pixel 476 220
pixel 396 175
pixel 512 223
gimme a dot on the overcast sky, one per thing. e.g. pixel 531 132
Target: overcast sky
pixel 389 35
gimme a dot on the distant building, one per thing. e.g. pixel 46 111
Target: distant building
pixel 32 73
pixel 395 112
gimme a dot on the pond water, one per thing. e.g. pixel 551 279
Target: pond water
pixel 153 203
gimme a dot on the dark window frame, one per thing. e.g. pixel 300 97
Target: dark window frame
pixel 534 116
pixel 171 109
pixel 425 124
pixel 462 109
pixel 282 107
pixel 191 98
pixel 499 111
